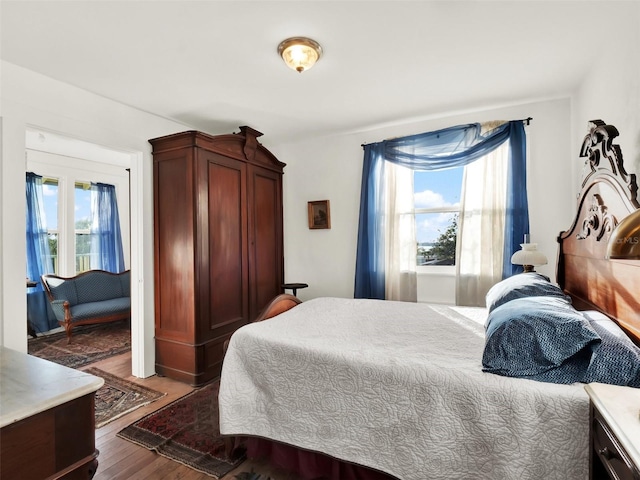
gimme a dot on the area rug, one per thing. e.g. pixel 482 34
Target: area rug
pixel 118 396
pixel 251 476
pixel 88 344
pixel 187 431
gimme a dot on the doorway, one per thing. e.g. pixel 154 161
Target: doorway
pixel 54 148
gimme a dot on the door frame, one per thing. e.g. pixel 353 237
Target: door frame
pixel 142 347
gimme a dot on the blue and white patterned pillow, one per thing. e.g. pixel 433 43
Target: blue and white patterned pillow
pixel 617 359
pixel 541 338
pixel 530 284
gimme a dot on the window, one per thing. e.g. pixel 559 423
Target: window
pixel 437 207
pixel 68 197
pixel 50 200
pixel 82 222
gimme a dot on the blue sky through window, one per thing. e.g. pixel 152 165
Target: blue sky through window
pixel 82 206
pixel 435 190
pixel 50 200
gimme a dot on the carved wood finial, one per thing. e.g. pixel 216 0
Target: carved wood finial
pixel 598 146
pixel 250 141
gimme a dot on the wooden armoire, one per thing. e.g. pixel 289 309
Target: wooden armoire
pixel 218 245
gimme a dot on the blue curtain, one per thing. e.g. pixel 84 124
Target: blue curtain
pixel 517 217
pixel 370 267
pixel 451 147
pixel 39 259
pixel 106 238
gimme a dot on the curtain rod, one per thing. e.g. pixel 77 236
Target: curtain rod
pixel 524 120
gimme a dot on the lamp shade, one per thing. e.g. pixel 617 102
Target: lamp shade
pixel 529 257
pixel 624 242
pixel 300 53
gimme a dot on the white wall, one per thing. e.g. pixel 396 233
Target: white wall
pixel 31 100
pixel 611 92
pixel 436 288
pixel 331 168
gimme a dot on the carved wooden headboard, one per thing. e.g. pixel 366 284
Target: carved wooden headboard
pixel 608 194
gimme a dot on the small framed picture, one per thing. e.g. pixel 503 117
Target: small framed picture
pixel 319 214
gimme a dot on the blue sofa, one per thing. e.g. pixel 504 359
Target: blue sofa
pixel 95 296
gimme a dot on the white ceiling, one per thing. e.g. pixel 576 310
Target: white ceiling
pixel 213 64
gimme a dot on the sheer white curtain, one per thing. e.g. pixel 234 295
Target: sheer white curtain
pixel 400 241
pixel 481 227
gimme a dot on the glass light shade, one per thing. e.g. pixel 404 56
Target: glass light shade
pixel 529 257
pixel 300 53
pixel 624 243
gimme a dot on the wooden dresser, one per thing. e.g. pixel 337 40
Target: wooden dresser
pixel 218 245
pixel 47 419
pixel 614 432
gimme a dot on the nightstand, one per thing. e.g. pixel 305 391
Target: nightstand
pixel 294 287
pixel 614 432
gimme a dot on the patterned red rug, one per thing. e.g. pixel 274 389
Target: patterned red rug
pixel 187 431
pixel 88 344
pixel 118 396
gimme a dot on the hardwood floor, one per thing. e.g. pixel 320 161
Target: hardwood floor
pixel 121 459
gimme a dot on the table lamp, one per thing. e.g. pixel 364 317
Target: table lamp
pixel 529 256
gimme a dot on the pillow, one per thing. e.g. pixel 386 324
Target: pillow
pixel 530 284
pixel 617 359
pixel 541 338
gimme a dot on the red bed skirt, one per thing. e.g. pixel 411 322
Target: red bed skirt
pixel 307 464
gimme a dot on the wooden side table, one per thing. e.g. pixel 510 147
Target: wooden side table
pixel 294 287
pixel 614 431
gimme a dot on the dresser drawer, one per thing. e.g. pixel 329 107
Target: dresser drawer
pixel 615 460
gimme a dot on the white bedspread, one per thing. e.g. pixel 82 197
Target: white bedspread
pixel 399 387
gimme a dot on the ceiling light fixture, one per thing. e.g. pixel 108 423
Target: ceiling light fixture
pixel 300 53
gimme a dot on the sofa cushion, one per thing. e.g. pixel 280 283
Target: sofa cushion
pixel 95 286
pixel 103 308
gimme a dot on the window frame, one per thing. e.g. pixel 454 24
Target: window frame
pixel 435 270
pixel 80 231
pixel 50 180
pixel 69 171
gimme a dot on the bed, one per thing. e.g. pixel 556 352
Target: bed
pixel 382 389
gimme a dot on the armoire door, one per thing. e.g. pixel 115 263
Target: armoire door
pixel 224 304
pixel 175 232
pixel 265 237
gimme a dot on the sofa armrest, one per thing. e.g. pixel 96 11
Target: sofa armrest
pixel 60 309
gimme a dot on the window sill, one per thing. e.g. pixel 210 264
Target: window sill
pixel 437 271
